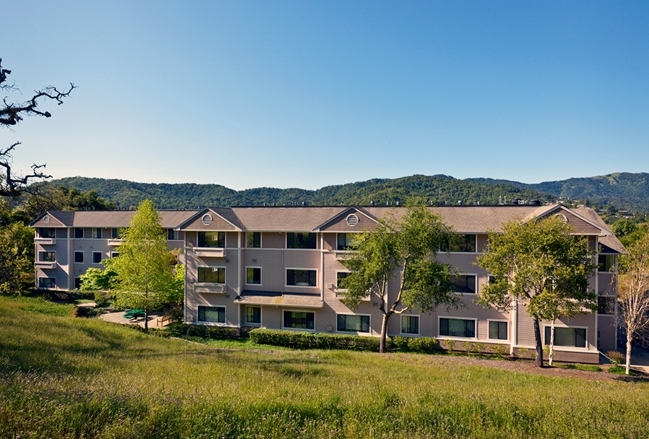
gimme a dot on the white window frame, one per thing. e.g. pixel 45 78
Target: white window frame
pixel 261 242
pixel 114 254
pixel 566 348
pixel 206 323
pixel 225 275
pixel 101 254
pixel 317 276
pixel 93 233
pixel 83 256
pixel 261 274
pixel 369 325
pixel 47 277
pixel 261 315
pixel 508 330
pixel 299 329
pixel 409 334
pixel 475 284
pixel 450 337
pixel 46 251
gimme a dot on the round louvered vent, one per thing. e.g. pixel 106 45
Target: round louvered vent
pixel 352 220
pixel 562 217
pixel 46 219
pixel 207 219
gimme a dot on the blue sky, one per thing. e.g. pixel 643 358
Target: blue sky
pixel 309 94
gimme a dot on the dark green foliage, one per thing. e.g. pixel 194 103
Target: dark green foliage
pixel 310 340
pixel 214 332
pixel 437 189
pixel 424 345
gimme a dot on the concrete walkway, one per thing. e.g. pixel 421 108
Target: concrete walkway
pixel 155 319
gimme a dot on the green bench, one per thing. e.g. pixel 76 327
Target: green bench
pixel 134 314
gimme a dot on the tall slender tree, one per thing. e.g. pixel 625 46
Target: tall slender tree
pixel 145 276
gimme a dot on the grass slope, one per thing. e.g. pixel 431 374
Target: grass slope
pixel 65 377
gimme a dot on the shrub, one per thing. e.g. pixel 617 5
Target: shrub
pixel 423 344
pixel 400 344
pixel 499 350
pixel 615 357
pixel 101 297
pixel 310 340
pixel 449 345
pixel 84 311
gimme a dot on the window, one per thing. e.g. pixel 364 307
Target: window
pixel 47 256
pixel 78 257
pixel 77 283
pixel 299 319
pixel 573 337
pixel 464 283
pixel 253 315
pixel 606 304
pixel 253 239
pixel 46 282
pixel 115 233
pixel 214 314
pixel 498 330
pixel 46 232
pixel 114 254
pixel 460 243
pixel 300 240
pixel 340 276
pixel 409 324
pixel 78 232
pixel 347 323
pixel 301 278
pixel 172 235
pixel 213 275
pixel 457 327
pixel 606 263
pixel 211 239
pixel 96 233
pixel 96 257
pixel 253 275
pixel 346 241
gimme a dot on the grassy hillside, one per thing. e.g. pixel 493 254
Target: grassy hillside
pixel 64 377
pixel 438 189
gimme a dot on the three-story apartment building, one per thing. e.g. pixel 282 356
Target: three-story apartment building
pixel 279 267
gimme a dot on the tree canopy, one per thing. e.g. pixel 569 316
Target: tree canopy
pixel 401 250
pixel 544 266
pixel 145 267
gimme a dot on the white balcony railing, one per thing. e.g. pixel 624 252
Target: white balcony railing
pixel 209 288
pixel 45 241
pixel 209 252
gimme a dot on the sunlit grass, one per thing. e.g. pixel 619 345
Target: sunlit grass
pixel 65 377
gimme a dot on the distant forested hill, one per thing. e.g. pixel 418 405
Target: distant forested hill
pixel 622 190
pixel 437 189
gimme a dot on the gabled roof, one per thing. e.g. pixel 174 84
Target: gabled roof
pixel 110 218
pixel 216 222
pixel 364 220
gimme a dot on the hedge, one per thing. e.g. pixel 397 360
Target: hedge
pixel 215 332
pixel 424 345
pixel 310 340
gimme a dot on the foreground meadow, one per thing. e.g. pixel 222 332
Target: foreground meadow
pixel 65 377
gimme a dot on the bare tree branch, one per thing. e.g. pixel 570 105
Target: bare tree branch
pixel 12 113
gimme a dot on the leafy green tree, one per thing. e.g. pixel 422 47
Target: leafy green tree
pixel 144 267
pixel 543 265
pixel 403 250
pixel 634 294
pixel 96 279
pixel 16 259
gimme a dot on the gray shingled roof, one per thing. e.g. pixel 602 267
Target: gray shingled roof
pixel 117 218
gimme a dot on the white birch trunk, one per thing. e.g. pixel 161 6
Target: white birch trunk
pixel 551 353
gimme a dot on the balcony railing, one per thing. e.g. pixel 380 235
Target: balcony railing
pixel 45 241
pixel 209 252
pixel 48 265
pixel 209 288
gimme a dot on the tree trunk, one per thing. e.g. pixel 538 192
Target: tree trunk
pixel 384 334
pixel 539 344
pixel 146 311
pixel 629 340
pixel 551 352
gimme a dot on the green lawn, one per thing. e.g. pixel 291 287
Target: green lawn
pixel 65 377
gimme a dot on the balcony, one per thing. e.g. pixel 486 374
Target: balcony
pixel 45 241
pixel 46 265
pixel 114 242
pixel 209 252
pixel 209 288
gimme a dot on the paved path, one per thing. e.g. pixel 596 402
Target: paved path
pixel 118 317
